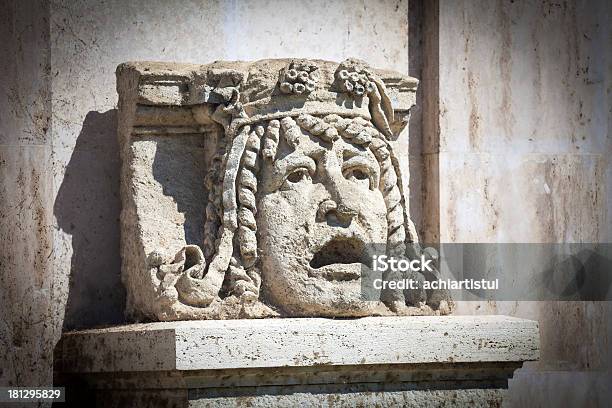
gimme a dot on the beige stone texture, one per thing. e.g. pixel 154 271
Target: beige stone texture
pixel 517 139
pixel 414 361
pixel 219 344
pixel 28 324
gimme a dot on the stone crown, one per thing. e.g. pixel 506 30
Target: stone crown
pixel 293 86
pixel 251 91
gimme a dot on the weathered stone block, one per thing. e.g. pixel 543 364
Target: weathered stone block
pixel 414 361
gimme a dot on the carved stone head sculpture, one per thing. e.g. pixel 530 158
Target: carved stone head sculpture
pixel 301 182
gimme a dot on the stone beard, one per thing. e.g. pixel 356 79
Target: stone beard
pixel 297 196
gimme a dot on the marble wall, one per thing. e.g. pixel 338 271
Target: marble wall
pixel 517 150
pixel 27 327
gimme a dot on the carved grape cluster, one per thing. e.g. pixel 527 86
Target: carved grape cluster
pixel 355 81
pixel 299 78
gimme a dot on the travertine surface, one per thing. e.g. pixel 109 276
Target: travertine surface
pixel 318 396
pixel 406 398
pixel 519 134
pixel 382 361
pixel 302 181
pixel 227 344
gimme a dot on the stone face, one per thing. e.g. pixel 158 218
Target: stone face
pixel 385 361
pixel 302 180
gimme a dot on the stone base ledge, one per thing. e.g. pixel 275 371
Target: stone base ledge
pixel 226 344
pixel 294 361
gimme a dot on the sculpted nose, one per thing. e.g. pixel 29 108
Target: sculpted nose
pixel 342 203
pixel 335 214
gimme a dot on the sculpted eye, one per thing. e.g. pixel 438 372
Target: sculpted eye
pixel 359 175
pixel 297 176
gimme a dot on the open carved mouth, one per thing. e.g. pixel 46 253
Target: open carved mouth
pixel 341 258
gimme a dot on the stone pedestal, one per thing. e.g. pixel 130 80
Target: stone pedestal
pixel 383 361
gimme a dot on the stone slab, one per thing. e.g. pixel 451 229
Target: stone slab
pixel 306 397
pixel 269 343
